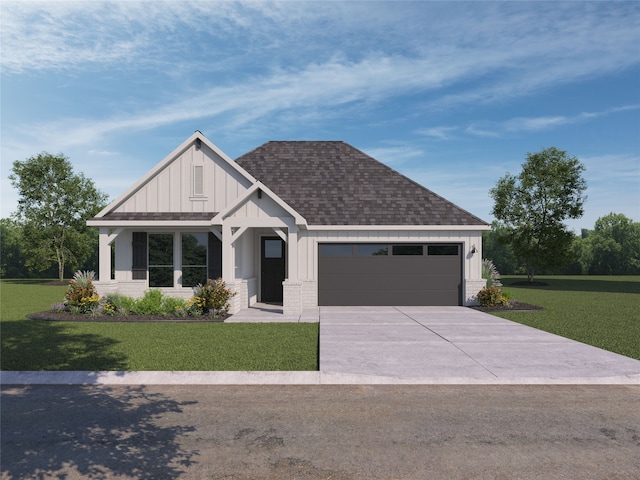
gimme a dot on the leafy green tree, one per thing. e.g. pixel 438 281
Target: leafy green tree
pixel 532 207
pixel 12 261
pixel 53 206
pixel 580 255
pixel 615 246
pixel 499 252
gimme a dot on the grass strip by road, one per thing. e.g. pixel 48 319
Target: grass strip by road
pixel 42 345
pixel 603 311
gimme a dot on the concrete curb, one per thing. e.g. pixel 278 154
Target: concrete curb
pixel 278 378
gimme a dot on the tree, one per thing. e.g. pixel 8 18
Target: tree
pixel 499 252
pixel 532 207
pixel 11 258
pixel 53 206
pixel 615 246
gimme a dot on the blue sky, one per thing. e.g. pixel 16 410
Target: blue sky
pixel 451 94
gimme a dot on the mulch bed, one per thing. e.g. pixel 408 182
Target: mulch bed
pixel 70 317
pixel 512 307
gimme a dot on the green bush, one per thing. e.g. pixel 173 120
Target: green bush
pixel 211 299
pixel 174 306
pixel 117 304
pixel 492 296
pixel 150 303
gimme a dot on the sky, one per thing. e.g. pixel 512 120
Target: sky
pixel 451 94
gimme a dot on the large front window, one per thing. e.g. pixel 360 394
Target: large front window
pixel 194 259
pixel 161 260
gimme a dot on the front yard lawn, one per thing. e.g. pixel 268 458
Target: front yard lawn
pixel 600 311
pixel 43 345
pixel 603 311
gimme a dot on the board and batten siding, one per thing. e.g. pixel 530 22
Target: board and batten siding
pixel 173 188
pixel 255 207
pixel 308 245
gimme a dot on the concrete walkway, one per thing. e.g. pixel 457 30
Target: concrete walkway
pixel 401 345
pixel 265 312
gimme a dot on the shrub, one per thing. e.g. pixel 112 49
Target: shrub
pixel 490 273
pixel 81 296
pixel 492 296
pixel 150 303
pixel 211 299
pixel 121 305
pixel 174 306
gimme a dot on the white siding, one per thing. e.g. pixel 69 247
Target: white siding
pixel 263 207
pixel 171 189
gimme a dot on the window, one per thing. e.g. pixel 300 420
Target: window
pixel 442 249
pixel 161 260
pixel 371 249
pixel 198 180
pixel 194 259
pixel 273 249
pixel 336 249
pixel 407 250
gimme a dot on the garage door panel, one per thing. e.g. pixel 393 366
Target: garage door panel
pixel 415 282
pixel 390 279
pixel 360 297
pixel 373 265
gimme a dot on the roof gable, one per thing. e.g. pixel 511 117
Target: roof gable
pixel 333 183
pixel 256 205
pixel 169 187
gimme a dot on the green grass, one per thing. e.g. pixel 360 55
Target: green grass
pixel 40 345
pixel 603 311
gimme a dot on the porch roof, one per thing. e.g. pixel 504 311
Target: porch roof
pixel 153 219
pixel 158 216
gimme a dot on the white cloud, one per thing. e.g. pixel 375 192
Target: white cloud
pixel 439 133
pixel 533 124
pixel 394 155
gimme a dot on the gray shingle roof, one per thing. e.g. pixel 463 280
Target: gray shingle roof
pixel 158 216
pixel 333 183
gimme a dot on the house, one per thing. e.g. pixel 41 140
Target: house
pixel 305 223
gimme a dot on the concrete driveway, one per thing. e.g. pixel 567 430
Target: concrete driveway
pixel 456 345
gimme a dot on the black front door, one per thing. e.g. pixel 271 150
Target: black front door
pixel 272 269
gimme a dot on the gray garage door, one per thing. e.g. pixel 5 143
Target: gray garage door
pixel 389 274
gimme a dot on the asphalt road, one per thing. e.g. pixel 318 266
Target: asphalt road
pixel 321 432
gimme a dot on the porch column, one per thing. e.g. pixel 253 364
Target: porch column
pixel 292 287
pixel 104 255
pixel 228 274
pixel 292 253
